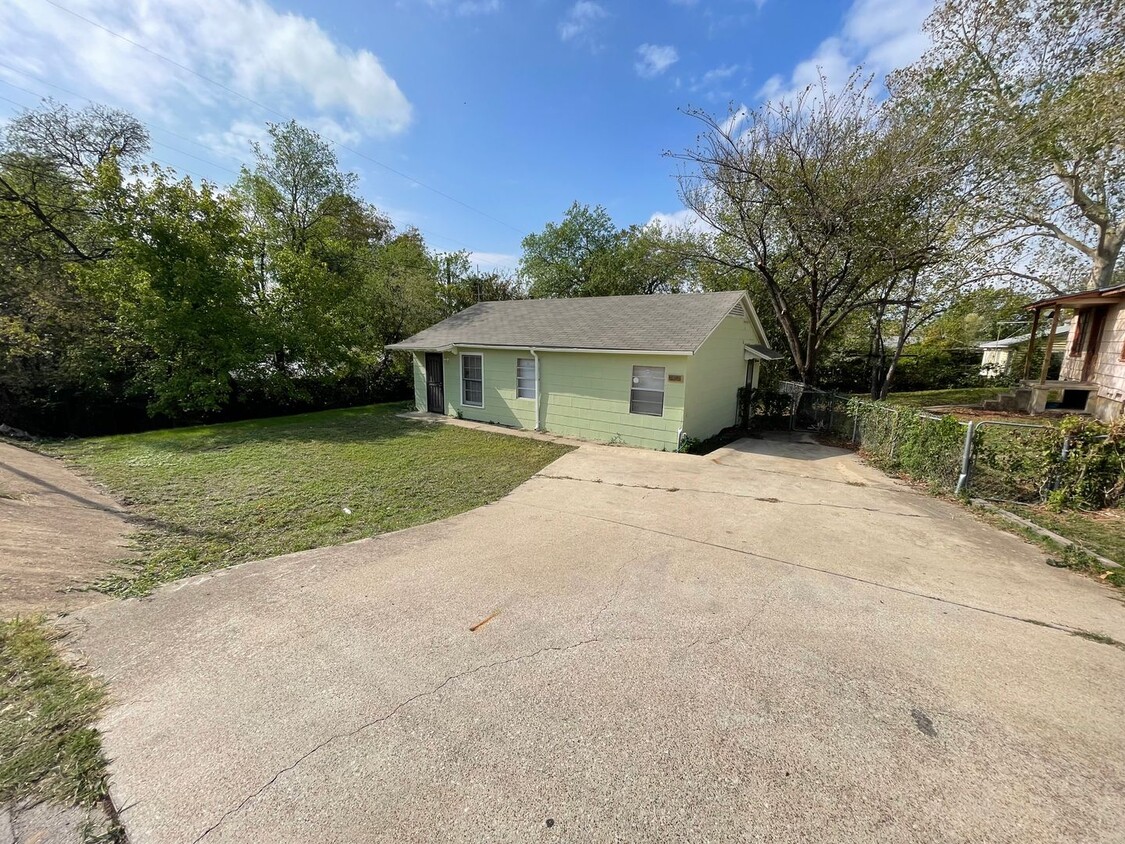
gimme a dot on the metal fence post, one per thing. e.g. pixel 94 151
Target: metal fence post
pixel 966 458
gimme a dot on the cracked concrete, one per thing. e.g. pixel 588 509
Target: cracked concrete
pixel 376 721
pixel 701 665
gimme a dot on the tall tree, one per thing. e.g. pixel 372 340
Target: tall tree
pixel 572 257
pixel 61 178
pixel 55 166
pixel 585 254
pixel 814 197
pixel 181 287
pixel 1040 84
pixel 312 240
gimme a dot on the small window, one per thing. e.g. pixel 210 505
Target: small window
pixel 472 380
pixel 525 378
pixel 647 395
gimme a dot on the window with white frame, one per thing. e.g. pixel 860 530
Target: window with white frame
pixel 472 380
pixel 647 395
pixel 525 378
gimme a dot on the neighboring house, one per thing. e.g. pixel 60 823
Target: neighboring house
pixel 643 370
pixel 1093 371
pixel 997 355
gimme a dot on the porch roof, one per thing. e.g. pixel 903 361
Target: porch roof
pixel 1082 299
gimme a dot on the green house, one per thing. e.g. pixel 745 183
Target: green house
pixel 643 370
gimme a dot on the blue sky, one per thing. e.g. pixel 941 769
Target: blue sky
pixel 513 107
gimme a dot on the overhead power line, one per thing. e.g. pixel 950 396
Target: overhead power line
pixel 284 116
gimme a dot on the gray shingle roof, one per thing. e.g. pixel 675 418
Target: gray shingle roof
pixel 677 322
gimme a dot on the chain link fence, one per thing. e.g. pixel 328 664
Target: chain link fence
pixel 1003 461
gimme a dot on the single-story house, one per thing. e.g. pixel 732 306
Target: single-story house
pixel 997 356
pixel 1092 378
pixel 642 370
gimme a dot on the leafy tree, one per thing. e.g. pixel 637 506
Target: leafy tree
pixel 55 165
pixel 460 286
pixel 814 197
pixel 1038 83
pixel 60 178
pixel 573 257
pixel 587 255
pixel 979 315
pixel 312 243
pixel 181 283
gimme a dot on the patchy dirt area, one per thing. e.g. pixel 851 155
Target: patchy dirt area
pixel 58 534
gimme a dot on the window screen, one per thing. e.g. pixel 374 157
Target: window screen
pixel 472 380
pixel 647 394
pixel 525 378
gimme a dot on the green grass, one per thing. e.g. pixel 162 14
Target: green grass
pixel 217 495
pixel 1070 557
pixel 1102 532
pixel 48 745
pixel 936 398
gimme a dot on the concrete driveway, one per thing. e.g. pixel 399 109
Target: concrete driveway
pixel 772 643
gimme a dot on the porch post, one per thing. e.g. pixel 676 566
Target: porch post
pixel 1031 345
pixel 1050 344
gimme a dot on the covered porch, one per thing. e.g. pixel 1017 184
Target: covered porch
pixel 1077 381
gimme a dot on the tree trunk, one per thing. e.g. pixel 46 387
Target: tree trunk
pixel 900 344
pixel 1105 260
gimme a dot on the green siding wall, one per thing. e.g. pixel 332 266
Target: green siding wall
pixel 419 380
pixel 714 375
pixel 500 403
pixel 583 395
pixel 587 396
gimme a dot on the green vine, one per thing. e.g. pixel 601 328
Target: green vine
pixel 1079 463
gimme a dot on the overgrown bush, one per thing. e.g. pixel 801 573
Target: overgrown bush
pixel 1016 464
pixel 1093 473
pixel 1079 463
pixel 908 442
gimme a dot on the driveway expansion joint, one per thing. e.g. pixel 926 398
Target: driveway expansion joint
pixel 765 500
pixel 1090 635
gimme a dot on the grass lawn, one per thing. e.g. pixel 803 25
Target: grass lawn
pixel 216 495
pixel 1102 532
pixel 48 745
pixel 935 398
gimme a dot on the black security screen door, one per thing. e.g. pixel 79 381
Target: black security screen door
pixel 435 383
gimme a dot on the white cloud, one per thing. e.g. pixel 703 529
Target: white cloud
pixel 478 7
pixel 234 143
pixel 734 120
pixel 654 59
pixel 494 260
pixel 685 218
pixel 880 35
pixel 718 83
pixel 464 8
pixel 581 21
pixel 716 75
pixel 282 59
